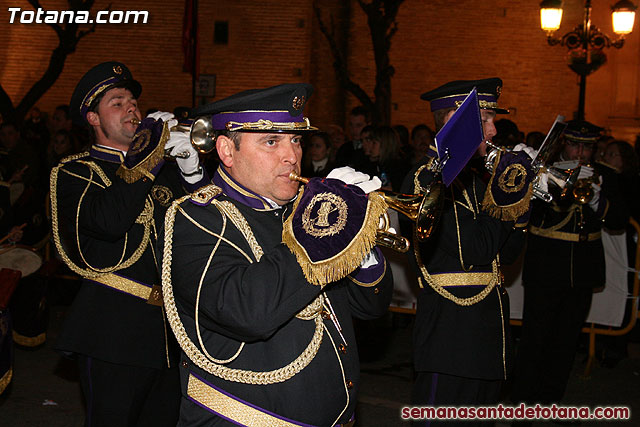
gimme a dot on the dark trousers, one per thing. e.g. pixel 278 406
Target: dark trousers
pixel 551 324
pixel 121 395
pixel 434 389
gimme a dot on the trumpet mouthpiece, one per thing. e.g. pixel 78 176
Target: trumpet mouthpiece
pixel 293 176
pixel 134 121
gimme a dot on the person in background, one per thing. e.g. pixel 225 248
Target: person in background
pixel 381 146
pixel 107 207
pixel 317 158
pixel 338 138
pixel 350 153
pixel 422 140
pixel 534 139
pixel 461 340
pixel 563 264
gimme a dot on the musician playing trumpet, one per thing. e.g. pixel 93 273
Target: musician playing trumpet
pixel 564 262
pixel 108 206
pixel 261 276
pixel 462 343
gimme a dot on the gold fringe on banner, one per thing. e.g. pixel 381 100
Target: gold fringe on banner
pixel 340 265
pixel 144 168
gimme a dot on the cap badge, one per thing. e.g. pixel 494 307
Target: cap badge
pixel 498 90
pixel 298 102
pixel 117 69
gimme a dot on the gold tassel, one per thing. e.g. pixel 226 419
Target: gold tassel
pixel 335 268
pixel 144 168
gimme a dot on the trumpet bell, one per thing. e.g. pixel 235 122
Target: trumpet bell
pixel 422 209
pixel 203 135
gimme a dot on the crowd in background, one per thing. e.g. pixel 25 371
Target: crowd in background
pixel 29 150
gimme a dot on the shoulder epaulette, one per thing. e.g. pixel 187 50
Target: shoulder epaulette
pixel 204 195
pixel 74 157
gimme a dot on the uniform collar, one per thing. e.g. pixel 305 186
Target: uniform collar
pixel 237 192
pixel 106 153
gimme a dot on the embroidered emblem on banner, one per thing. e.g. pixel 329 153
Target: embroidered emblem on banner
pixel 320 219
pixel 513 178
pixel 140 141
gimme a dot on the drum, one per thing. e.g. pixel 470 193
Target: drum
pixel 20 257
pixel 28 306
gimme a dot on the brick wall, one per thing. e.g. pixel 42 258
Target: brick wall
pixel 279 41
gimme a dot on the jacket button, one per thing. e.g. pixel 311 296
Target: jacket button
pixel 185 364
pixel 342 348
pixel 376 291
pixel 349 384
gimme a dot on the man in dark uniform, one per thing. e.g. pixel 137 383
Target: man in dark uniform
pixel 267 337
pixel 563 263
pixel 461 333
pixel 107 206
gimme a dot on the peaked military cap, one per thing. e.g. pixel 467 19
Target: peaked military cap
pixel 275 109
pixel 451 95
pixel 98 80
pixel 582 131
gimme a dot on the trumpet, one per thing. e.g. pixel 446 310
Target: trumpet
pixel 582 192
pixel 422 209
pixel 201 135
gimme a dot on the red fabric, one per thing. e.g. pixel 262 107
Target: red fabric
pixel 8 281
pixel 190 47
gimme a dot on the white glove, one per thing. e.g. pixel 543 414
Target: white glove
pixel 371 260
pixel 529 150
pixel 595 200
pixel 361 180
pixel 165 117
pixel 542 182
pixel 179 143
pixel 585 172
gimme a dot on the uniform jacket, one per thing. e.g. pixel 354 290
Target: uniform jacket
pixel 470 341
pixel 246 311
pixel 564 247
pixel 107 218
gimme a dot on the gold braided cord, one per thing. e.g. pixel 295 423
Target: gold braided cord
pixel 145 219
pixel 228 209
pixel 224 239
pixel 199 292
pixel 5 380
pixel 437 287
pixel 78 245
pixel 192 351
pixel 504 356
pixel 344 382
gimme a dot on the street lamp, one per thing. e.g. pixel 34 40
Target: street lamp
pixel 586 42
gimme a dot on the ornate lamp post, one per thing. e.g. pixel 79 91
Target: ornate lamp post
pixel 586 42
